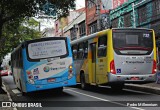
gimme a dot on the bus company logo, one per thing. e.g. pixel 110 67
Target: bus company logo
pixel 46 69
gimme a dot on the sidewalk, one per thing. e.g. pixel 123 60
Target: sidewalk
pixel 150 87
pixel 3 98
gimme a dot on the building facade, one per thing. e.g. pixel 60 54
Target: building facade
pixel 97 15
pixel 137 13
pixel 116 3
pixel 76 28
pixel 59 25
pixel 48 32
pixel 62 22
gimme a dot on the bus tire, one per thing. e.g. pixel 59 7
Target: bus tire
pixel 117 87
pixel 23 93
pixel 82 80
pixel 60 89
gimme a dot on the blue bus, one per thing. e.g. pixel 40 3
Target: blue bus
pixel 43 63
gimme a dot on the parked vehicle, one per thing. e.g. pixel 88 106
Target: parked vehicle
pixel 5 72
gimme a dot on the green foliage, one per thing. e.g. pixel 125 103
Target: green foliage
pixel 61 7
pixel 12 13
pixel 15 33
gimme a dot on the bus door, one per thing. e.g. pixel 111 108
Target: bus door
pixel 93 55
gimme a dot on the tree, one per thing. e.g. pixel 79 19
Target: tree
pixel 17 32
pixel 60 7
pixel 12 12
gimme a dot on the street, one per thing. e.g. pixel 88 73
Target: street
pixel 52 46
pixel 92 99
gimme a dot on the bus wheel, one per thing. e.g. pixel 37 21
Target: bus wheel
pixel 117 87
pixel 23 93
pixel 60 89
pixel 82 80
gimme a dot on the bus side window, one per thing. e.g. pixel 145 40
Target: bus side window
pixel 21 61
pixel 74 47
pixel 16 62
pixel 18 59
pixel 80 51
pixel 102 44
pixel 85 49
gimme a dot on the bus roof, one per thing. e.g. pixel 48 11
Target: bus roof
pixel 85 38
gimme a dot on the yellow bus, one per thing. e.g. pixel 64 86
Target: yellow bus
pixel 115 56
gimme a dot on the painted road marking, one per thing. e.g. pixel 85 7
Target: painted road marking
pixel 103 99
pixel 16 91
pixel 9 96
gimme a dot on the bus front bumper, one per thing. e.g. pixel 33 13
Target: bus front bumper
pixel 113 78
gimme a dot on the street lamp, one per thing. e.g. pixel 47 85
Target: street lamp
pixel 134 18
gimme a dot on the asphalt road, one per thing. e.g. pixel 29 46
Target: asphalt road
pixel 73 98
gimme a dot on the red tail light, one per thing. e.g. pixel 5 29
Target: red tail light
pixel 70 71
pixel 112 67
pixel 30 77
pixel 154 69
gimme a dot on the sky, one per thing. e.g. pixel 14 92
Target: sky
pixel 49 23
pixel 80 4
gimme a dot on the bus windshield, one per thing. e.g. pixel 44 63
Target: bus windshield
pixel 47 49
pixel 133 43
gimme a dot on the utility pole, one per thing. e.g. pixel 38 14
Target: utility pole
pixel 134 17
pixel 98 15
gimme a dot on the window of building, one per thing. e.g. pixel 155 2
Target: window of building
pixel 142 14
pixel 102 44
pixel 56 27
pixel 91 3
pixel 115 23
pixel 127 19
pixel 93 27
pixel 82 29
pixel 155 9
pixel 73 34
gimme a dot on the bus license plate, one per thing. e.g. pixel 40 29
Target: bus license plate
pixel 134 78
pixel 51 80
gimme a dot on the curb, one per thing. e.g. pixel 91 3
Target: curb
pixel 143 88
